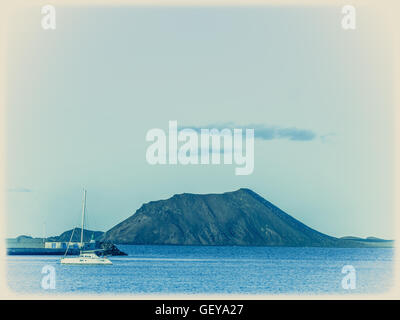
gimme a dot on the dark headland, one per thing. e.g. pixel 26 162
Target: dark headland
pixel 239 218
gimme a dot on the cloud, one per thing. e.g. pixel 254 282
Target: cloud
pixel 264 132
pixel 326 138
pixel 295 134
pixel 19 190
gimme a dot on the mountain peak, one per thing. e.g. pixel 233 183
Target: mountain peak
pixel 240 217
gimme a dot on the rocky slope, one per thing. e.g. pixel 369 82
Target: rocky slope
pixel 240 218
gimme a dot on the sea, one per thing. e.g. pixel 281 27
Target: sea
pixel 150 269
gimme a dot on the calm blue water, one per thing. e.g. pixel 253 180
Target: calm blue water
pixel 205 270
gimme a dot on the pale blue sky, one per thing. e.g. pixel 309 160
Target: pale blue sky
pixel 82 98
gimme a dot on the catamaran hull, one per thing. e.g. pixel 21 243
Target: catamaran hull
pixel 83 261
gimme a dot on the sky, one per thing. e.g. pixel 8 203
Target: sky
pixel 81 98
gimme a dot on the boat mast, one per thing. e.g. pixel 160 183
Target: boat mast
pixel 83 216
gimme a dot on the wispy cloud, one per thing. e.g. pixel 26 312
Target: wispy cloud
pixel 327 137
pixel 265 132
pixel 19 190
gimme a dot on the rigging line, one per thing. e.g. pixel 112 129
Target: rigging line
pixel 87 224
pixel 87 218
pixel 69 241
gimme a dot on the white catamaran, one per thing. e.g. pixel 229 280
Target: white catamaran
pixel 87 257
